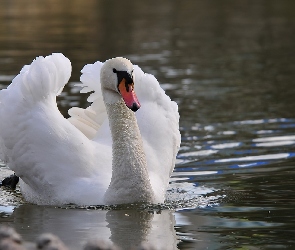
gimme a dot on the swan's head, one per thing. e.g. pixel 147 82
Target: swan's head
pixel 117 81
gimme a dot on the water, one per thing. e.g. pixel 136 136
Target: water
pixel 230 67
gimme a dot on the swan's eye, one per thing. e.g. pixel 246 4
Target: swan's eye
pixel 114 70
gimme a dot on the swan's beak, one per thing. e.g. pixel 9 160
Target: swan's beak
pixel 128 94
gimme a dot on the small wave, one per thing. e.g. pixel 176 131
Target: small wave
pixel 258 158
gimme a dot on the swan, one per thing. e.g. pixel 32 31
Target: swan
pixel 104 154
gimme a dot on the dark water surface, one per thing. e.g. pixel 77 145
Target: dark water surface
pixel 230 66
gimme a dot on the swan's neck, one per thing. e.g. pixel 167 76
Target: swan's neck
pixel 130 180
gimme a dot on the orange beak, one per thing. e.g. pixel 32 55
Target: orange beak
pixel 128 95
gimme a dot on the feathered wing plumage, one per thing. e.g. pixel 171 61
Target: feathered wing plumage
pixel 69 161
pixel 55 161
pixel 89 120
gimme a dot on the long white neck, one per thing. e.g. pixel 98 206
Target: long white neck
pixel 130 180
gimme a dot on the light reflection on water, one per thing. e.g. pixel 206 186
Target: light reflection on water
pixel 230 67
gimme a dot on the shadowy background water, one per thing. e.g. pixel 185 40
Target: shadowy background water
pixel 230 66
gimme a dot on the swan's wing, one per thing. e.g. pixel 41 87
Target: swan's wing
pixel 89 120
pixel 39 144
pixel 158 121
pixel 29 93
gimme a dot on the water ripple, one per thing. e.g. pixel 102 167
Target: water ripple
pixel 224 148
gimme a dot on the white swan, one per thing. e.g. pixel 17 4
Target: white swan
pixel 73 160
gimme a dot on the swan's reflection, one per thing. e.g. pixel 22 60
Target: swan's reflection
pixel 125 228
pixel 129 228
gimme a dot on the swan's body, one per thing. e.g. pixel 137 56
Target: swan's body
pixel 73 160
